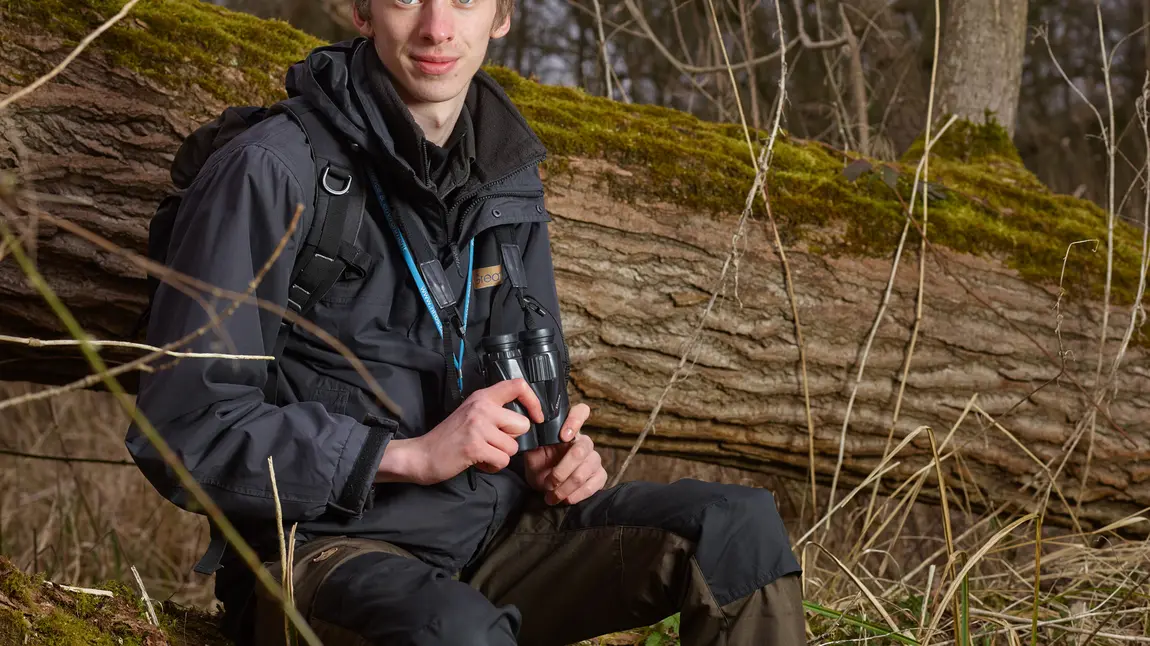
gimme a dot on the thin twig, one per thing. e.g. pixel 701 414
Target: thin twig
pixel 761 164
pixel 788 281
pixel 58 458
pixel 882 309
pixel 170 458
pixel 142 362
pixel 169 276
pixel 127 8
pixel 40 343
pixel 603 49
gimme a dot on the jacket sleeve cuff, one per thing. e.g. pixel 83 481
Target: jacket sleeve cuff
pixel 354 496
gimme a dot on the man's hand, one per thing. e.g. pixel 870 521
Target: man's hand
pixel 480 433
pixel 568 472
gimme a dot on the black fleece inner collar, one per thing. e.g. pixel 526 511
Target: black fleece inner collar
pixel 501 143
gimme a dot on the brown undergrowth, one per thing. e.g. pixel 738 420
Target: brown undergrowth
pixel 85 524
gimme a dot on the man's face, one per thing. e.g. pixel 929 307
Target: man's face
pixel 432 47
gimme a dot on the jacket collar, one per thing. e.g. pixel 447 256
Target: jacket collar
pixel 338 79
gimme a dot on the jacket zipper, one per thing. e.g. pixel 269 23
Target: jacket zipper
pixel 453 241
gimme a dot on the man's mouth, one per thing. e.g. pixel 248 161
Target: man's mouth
pixel 434 65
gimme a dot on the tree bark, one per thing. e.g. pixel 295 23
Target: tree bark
pixel 980 60
pixel 634 277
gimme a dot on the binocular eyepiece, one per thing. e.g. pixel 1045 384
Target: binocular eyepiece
pixel 534 356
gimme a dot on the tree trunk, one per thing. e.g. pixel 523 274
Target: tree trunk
pixel 642 227
pixel 980 60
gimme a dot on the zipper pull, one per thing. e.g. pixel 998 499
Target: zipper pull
pixel 455 258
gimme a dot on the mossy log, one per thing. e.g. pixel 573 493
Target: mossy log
pixel 645 204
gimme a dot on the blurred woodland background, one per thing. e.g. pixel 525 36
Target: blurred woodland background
pixel 858 71
pixel 1065 80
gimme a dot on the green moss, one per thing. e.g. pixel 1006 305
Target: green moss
pixel 15 585
pixel 59 628
pixel 234 57
pixel 984 200
pixel 13 626
pixel 969 142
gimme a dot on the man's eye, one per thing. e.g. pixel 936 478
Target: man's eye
pixel 466 3
pixel 409 2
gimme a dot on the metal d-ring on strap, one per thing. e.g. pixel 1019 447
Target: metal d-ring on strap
pixel 422 285
pixel 329 189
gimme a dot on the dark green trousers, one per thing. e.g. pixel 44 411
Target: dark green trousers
pixel 627 557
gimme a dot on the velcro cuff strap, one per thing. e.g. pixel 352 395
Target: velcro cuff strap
pixel 354 495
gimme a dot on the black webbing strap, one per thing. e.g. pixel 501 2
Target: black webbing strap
pixel 515 273
pixel 435 278
pixel 517 277
pixel 330 244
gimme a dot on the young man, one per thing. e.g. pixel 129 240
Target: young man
pixel 430 528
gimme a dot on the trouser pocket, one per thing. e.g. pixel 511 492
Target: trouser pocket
pixel 314 562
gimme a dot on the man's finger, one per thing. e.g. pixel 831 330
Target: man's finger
pixel 510 390
pixel 576 453
pixel 492 460
pixel 581 476
pixel 502 440
pixel 593 486
pixel 575 420
pixel 510 422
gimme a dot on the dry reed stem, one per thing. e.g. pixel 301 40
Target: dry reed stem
pixel 1108 137
pixel 173 461
pixel 921 293
pixel 142 362
pixel 966 568
pixel 603 48
pixel 1136 307
pixel 168 275
pixel 948 532
pixel 875 473
pixel 870 515
pixel 789 283
pixel 870 597
pixel 147 599
pixel 929 144
pixel 284 570
pixel 761 166
pixel 917 480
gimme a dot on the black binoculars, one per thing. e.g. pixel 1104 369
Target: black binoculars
pixel 535 356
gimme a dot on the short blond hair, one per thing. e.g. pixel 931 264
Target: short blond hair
pixel 501 13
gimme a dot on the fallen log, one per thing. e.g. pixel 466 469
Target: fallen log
pixel 646 204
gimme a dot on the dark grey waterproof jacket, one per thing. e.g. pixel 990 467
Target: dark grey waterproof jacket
pixel 212 411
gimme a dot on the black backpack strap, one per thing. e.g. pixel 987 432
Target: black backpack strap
pixel 330 246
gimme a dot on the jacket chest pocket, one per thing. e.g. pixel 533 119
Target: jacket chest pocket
pixel 361 299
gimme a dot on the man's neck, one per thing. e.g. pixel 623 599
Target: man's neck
pixel 436 119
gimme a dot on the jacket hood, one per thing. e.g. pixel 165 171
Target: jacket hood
pixel 335 79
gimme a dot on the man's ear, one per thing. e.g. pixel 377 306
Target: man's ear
pixel 500 30
pixel 362 24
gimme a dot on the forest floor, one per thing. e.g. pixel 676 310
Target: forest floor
pixel 87 520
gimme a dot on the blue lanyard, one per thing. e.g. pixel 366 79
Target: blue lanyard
pixel 423 292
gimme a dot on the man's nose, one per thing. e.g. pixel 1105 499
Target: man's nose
pixel 437 24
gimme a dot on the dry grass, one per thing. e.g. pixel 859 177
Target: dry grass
pixel 888 570
pixel 83 524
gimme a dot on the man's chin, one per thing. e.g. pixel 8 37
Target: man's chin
pixel 435 91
